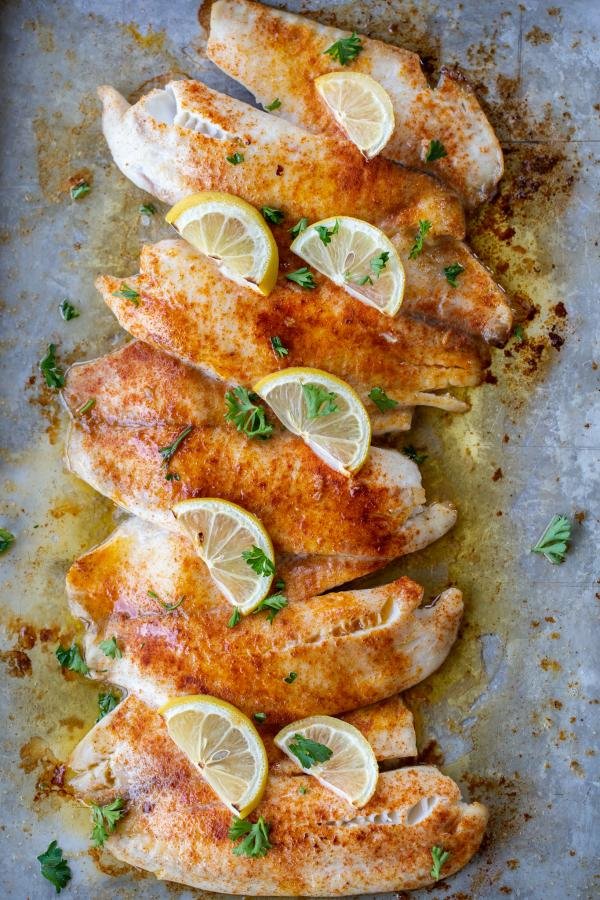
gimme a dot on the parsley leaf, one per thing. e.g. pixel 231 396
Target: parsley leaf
pixel 303 277
pixel 319 402
pixel 300 226
pixel 308 752
pixel 172 476
pixel 110 648
pixel 358 279
pixel 439 857
pixel 169 451
pixel 80 190
pixel 555 540
pixel 260 717
pixel 519 333
pixel 105 818
pixel 147 209
pixel 303 789
pixel 106 703
pixel 381 399
pixel 128 293
pixel 346 49
pixel 250 419
pixel 71 658
pixel 6 539
pixel 49 368
pixel 277 345
pixel 452 272
pixel 272 215
pixel 54 866
pixel 378 263
pixel 68 311
pixel 326 233
pixel 289 679
pixel 275 603
pixel 168 607
pixel 414 454
pixel 235 618
pixel 275 104
pixel 256 843
pixel 436 151
pixel 258 561
pixel 85 407
pixel 235 159
pixel 417 247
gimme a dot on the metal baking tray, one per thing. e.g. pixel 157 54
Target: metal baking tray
pixel 513 714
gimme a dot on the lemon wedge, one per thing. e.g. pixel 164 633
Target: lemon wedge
pixel 335 753
pixel 234 545
pixel 233 234
pixel 324 411
pixel 361 107
pixel 224 744
pixel 358 257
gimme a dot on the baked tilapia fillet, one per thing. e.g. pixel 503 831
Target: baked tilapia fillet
pixel 175 827
pixel 278 54
pixel 348 648
pixel 176 141
pixel 144 399
pixel 189 310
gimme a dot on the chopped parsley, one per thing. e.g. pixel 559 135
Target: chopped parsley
pixel 80 190
pixel 258 561
pixel 414 454
pixel 147 209
pixel 346 49
pixel 452 272
pixel 110 648
pixel 49 368
pixel 319 402
pixel 276 216
pixel 417 247
pixel 289 679
pixel 555 540
pixel 275 104
pixel 303 789
pixel 169 451
pixel 128 293
pixel 241 409
pixel 519 333
pixel 278 348
pixel 168 607
pixel 54 866
pixel 235 159
pixel 172 476
pixel 85 407
pixel 235 618
pixel 304 277
pixel 256 837
pixel 326 233
pixel 378 263
pixel 71 658
pixel 309 753
pixel 6 539
pixel 435 151
pixel 68 311
pixel 274 604
pixel 260 717
pixel 381 399
pixel 439 857
pixel 105 818
pixel 358 279
pixel 106 703
pixel 300 226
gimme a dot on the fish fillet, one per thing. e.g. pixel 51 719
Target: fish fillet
pixel 278 54
pixel 143 400
pixel 188 310
pixel 348 648
pixel 176 828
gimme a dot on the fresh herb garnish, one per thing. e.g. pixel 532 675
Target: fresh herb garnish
pixel 417 247
pixel 358 279
pixel 236 617
pixel 300 226
pixel 168 607
pixel 439 857
pixel 256 843
pixel 85 407
pixel 172 476
pixel 326 233
pixel 272 215
pixel 554 542
pixel 68 311
pixel 381 399
pixel 304 277
pixel 452 272
pixel 289 679
pixel 436 151
pixel 49 368
pixel 346 49
pixel 258 561
pixel 80 190
pixel 303 789
pixel 128 293
pixel 260 717
pixel 274 604
pixel 169 451
pixel 105 820
pixel 110 648
pixel 235 159
pixel 519 333
pixel 71 658
pixel 241 409
pixel 106 703
pixel 54 866
pixel 278 348
pixel 147 209
pixel 414 454
pixel 275 104
pixel 378 263
pixel 308 752
pixel 6 539
pixel 319 402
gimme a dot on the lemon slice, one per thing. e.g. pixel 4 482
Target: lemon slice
pixel 350 770
pixel 233 233
pixel 361 107
pixel 358 257
pixel 324 411
pixel 225 746
pixel 223 534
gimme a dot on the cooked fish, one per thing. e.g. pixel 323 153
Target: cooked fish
pixel 143 401
pixel 187 309
pixel 176 141
pixel 175 827
pixel 348 648
pixel 277 54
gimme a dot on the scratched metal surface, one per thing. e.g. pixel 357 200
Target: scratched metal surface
pixel 514 709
